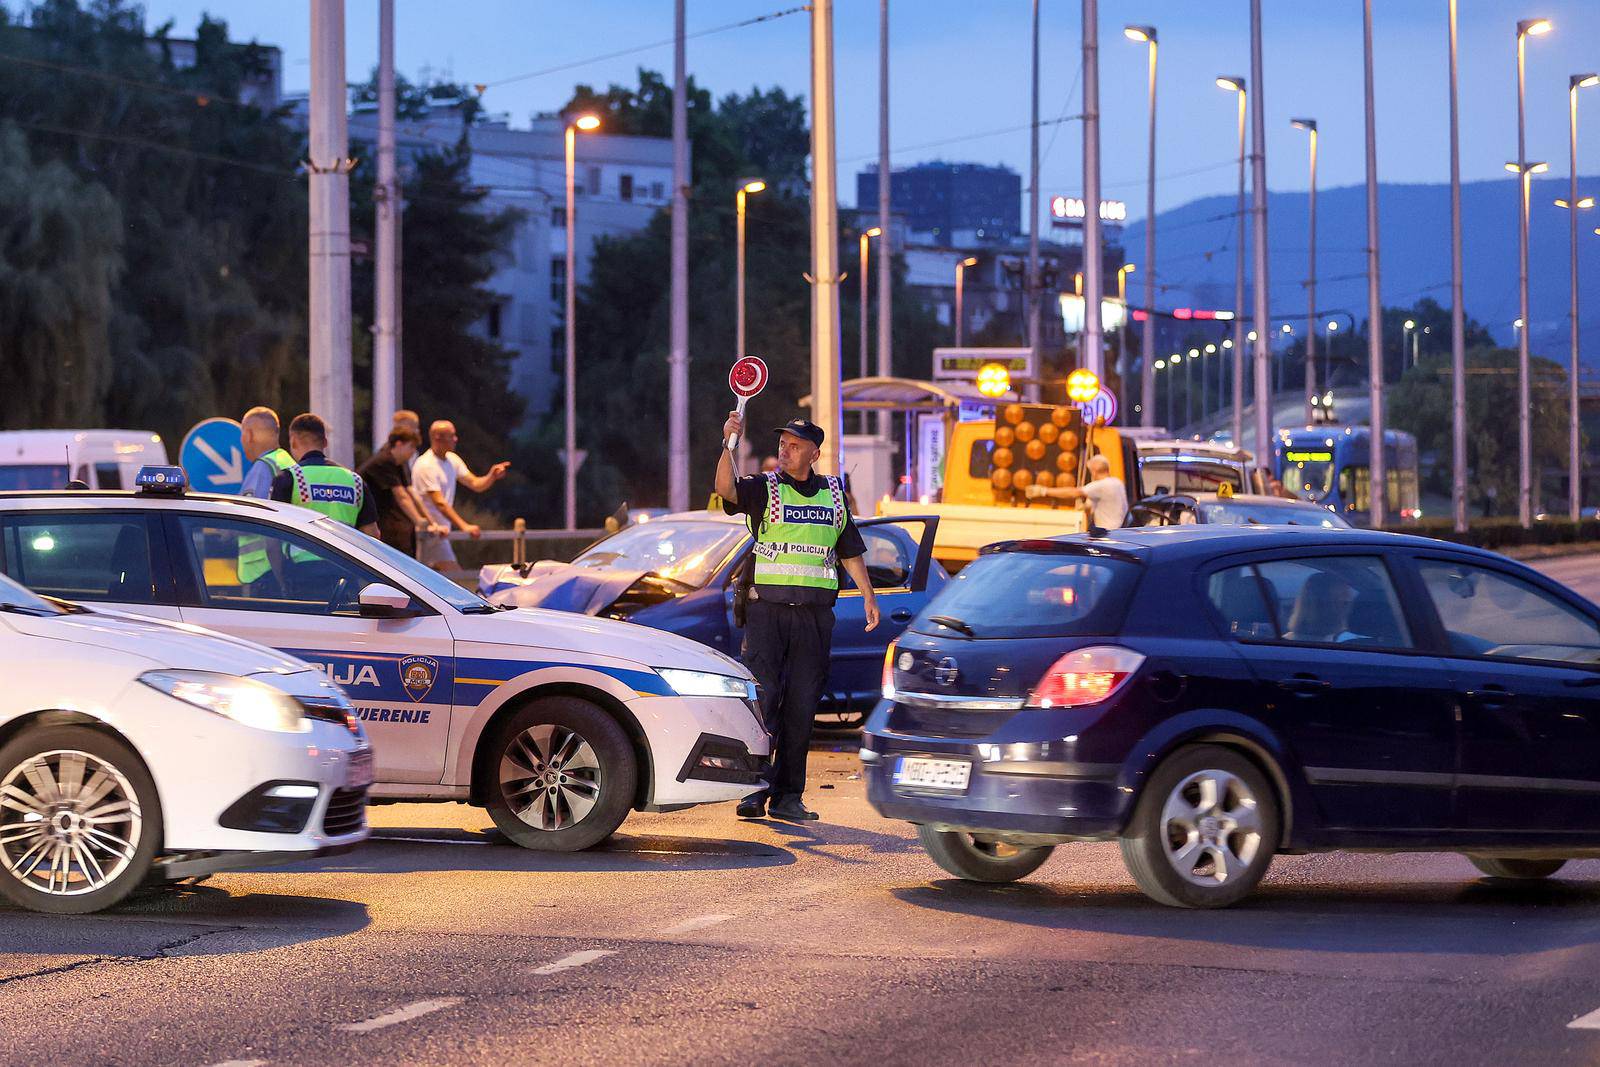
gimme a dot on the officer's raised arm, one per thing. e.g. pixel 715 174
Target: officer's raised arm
pixel 725 485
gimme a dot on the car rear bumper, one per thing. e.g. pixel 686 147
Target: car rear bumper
pixel 1044 798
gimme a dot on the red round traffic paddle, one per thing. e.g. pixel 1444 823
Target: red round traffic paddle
pixel 747 378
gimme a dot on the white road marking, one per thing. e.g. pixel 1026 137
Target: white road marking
pixel 699 922
pixel 1586 1022
pixel 431 840
pixel 617 852
pixel 576 959
pixel 240 1063
pixel 401 1015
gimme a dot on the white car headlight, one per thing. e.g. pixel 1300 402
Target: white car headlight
pixel 706 684
pixel 247 702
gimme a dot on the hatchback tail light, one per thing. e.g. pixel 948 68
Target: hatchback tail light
pixel 888 672
pixel 1085 676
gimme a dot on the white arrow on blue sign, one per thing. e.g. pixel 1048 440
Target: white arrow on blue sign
pixel 212 456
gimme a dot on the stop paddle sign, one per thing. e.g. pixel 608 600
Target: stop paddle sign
pixel 747 378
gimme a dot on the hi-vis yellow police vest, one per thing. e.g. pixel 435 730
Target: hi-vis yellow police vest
pixel 253 550
pixel 798 538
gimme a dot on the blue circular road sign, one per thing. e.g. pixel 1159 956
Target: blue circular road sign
pixel 212 456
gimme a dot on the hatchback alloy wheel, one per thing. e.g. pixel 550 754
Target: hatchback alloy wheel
pixel 1211 827
pixel 550 777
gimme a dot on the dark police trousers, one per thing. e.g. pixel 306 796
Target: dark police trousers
pixel 786 647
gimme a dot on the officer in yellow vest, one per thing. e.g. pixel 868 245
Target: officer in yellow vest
pixel 803 535
pixel 318 483
pixel 258 434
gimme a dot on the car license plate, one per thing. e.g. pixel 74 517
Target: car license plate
pixel 946 775
pixel 358 772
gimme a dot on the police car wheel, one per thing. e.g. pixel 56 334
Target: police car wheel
pixel 975 860
pixel 562 775
pixel 80 821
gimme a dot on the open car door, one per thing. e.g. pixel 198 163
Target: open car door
pixel 905 577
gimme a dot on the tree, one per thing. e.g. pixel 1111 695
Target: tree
pixel 60 255
pixel 1420 404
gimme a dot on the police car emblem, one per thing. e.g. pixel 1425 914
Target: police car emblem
pixel 417 674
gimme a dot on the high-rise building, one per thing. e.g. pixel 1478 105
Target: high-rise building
pixel 950 203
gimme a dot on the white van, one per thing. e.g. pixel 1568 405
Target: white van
pixel 48 459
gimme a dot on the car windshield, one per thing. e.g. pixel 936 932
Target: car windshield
pixel 18 598
pixel 33 476
pixel 1271 513
pixel 684 550
pixel 1310 477
pixel 395 560
pixel 1160 475
pixel 1032 594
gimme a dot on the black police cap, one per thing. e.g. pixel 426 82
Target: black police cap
pixel 802 428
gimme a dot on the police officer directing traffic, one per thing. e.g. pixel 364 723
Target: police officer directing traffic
pixel 318 483
pixel 803 534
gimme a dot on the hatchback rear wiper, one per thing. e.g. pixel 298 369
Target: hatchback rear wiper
pixel 949 622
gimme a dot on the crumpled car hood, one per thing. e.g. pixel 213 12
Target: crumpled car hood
pixel 584 590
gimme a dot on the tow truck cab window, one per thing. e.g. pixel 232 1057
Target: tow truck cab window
pixel 249 566
pixel 92 556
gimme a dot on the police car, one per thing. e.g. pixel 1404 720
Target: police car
pixel 558 724
pixel 135 751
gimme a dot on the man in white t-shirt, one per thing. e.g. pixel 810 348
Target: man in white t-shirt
pixel 1108 500
pixel 434 477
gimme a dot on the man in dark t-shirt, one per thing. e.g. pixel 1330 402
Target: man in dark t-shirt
pixel 389 477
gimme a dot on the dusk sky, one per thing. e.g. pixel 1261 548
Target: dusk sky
pixel 960 76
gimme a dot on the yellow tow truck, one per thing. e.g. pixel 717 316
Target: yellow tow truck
pixel 973 471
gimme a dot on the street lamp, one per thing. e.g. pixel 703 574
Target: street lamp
pixel 1310 126
pixel 1573 205
pixel 1458 313
pixel 1127 320
pixel 961 271
pixel 1408 340
pixel 866 236
pixel 586 123
pixel 748 187
pixel 1236 84
pixel 1525 29
pixel 1147 378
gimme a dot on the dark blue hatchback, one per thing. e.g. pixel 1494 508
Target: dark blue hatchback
pixel 1211 696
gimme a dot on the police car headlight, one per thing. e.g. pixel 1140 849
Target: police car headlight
pixel 705 684
pixel 247 702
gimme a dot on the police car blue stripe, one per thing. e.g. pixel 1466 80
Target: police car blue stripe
pixel 465 682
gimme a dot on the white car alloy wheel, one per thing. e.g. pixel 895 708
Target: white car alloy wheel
pixel 550 777
pixel 1211 827
pixel 69 823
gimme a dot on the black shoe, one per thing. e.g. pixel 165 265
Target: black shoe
pixel 790 809
pixel 752 808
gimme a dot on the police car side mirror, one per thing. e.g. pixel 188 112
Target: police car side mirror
pixel 379 601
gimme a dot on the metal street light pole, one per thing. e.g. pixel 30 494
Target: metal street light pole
pixel 1310 126
pixel 678 330
pixel 1258 184
pixel 1458 329
pixel 866 237
pixel 1574 205
pixel 1378 484
pixel 1127 320
pixel 570 330
pixel 329 232
pixel 745 188
pixel 885 184
pixel 1147 372
pixel 961 270
pixel 1236 84
pixel 1525 29
pixel 386 269
pixel 825 339
pixel 1092 356
pixel 1031 291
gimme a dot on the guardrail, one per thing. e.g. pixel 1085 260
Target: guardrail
pixel 519 536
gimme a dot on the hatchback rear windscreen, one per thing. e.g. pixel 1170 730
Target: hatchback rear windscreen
pixel 1033 594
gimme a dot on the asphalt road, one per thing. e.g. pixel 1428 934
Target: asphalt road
pixel 696 938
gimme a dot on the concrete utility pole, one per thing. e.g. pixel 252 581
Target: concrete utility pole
pixel 386 368
pixel 1093 356
pixel 329 188
pixel 825 339
pixel 1147 368
pixel 1379 485
pixel 1258 172
pixel 1033 293
pixel 678 354
pixel 1238 85
pixel 886 245
pixel 1458 314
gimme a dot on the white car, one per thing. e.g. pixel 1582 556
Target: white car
pixel 135 751
pixel 559 724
